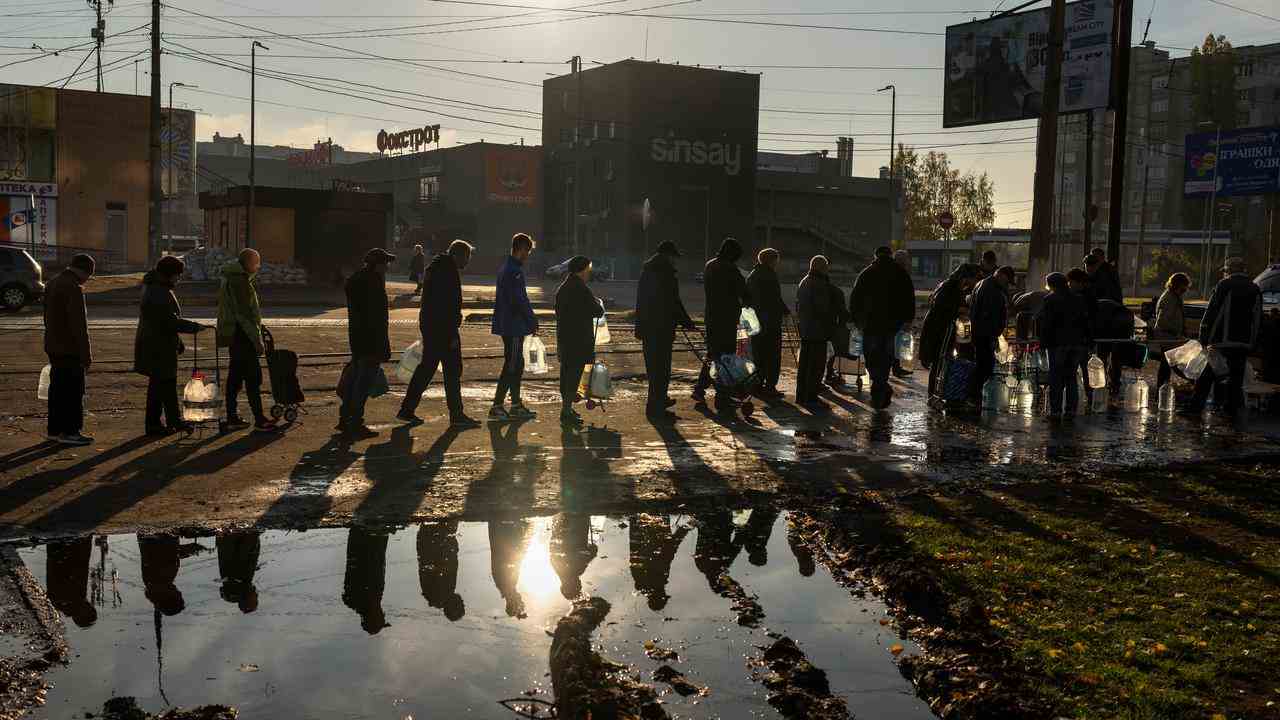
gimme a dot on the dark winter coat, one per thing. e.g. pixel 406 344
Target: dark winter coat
pixel 944 308
pixel 576 308
pixel 441 312
pixel 815 314
pixel 1063 320
pixel 726 296
pixel 766 293
pixel 157 346
pixel 1234 316
pixel 989 309
pixel 66 326
pixel 367 315
pixel 883 299
pixel 512 312
pixel 416 265
pixel 1106 283
pixel 658 306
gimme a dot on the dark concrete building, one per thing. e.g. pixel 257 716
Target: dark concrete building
pixel 683 138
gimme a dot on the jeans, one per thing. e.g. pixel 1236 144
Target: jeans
pixel 766 350
pixel 244 370
pixel 877 352
pixel 984 358
pixel 512 369
pixel 1228 395
pixel 657 367
pixel 66 396
pixel 436 353
pixel 363 370
pixel 162 397
pixel 812 364
pixel 1063 362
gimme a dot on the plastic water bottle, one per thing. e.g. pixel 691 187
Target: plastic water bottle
pixel 1135 394
pixel 904 349
pixel 42 388
pixel 1167 398
pixel 409 361
pixel 1026 394
pixel 1099 403
pixel 995 394
pixel 855 342
pixel 1097 373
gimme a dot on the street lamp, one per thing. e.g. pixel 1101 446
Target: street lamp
pixel 253 94
pixel 1210 214
pixel 893 121
pixel 164 218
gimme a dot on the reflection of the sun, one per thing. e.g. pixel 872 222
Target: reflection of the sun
pixel 538 580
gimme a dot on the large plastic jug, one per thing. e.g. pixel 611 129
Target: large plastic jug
pixel 410 359
pixel 200 401
pixel 1100 397
pixel 855 342
pixel 42 388
pixel 904 347
pixel 1167 398
pixel 995 394
pixel 1097 373
pixel 601 386
pixel 602 331
pixel 535 355
pixel 748 323
pixel 1182 356
pixel 1135 394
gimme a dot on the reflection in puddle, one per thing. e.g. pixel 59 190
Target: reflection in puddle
pixel 334 623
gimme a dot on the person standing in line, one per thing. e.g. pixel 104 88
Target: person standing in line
pixel 1106 281
pixel 839 326
pixel 417 264
pixel 240 329
pixel 66 343
pixel 1170 322
pixel 989 315
pixel 367 334
pixel 576 310
pixel 944 309
pixel 766 347
pixel 988 265
pixel 439 321
pixel 903 259
pixel 814 312
pixel 726 292
pixel 1230 326
pixel 881 304
pixel 1079 282
pixel 658 312
pixel 1063 321
pixel 156 346
pixel 513 319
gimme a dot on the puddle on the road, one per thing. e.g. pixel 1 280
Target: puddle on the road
pixel 445 620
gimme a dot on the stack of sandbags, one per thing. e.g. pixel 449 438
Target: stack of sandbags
pixel 206 264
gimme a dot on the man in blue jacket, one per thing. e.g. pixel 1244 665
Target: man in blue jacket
pixel 513 320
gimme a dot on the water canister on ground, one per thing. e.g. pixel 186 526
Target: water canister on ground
pixel 42 388
pixel 995 394
pixel 1167 398
pixel 1099 402
pixel 904 347
pixel 1135 394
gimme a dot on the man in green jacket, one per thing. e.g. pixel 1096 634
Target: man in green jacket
pixel 240 329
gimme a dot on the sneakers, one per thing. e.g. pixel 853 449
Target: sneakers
pixel 77 439
pixel 463 421
pixel 234 423
pixel 408 418
pixel 497 412
pixel 520 411
pixel 265 425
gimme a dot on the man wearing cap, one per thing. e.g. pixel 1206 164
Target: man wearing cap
pixel 1230 326
pixel 658 312
pixel 367 333
pixel 66 342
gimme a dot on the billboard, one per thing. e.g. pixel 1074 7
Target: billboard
pixel 43 233
pixel 1244 162
pixel 511 176
pixel 995 68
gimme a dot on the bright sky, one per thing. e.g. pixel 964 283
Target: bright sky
pixel 447 38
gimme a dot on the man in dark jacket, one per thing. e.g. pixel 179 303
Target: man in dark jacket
pixel 1230 326
pixel 766 347
pixel 989 315
pixel 726 291
pixel 1106 281
pixel 814 312
pixel 156 346
pixel 881 304
pixel 658 312
pixel 367 333
pixel 1063 322
pixel 513 319
pixel 66 342
pixel 417 264
pixel 439 321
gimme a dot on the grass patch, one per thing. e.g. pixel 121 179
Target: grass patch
pixel 1153 594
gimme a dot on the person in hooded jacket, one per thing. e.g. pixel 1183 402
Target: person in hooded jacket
pixel 881 304
pixel 944 309
pixel 240 330
pixel 727 294
pixel 576 310
pixel 814 313
pixel 766 347
pixel 658 312
pixel 439 321
pixel 368 336
pixel 1230 326
pixel 157 346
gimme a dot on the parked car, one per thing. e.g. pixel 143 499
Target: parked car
pixel 21 278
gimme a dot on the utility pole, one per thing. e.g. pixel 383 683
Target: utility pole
pixel 153 204
pixel 99 33
pixel 1088 183
pixel 1123 27
pixel 1047 149
pixel 253 147
pixel 893 121
pixel 576 65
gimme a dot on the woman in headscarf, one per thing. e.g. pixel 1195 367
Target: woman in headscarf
pixel 944 307
pixel 576 309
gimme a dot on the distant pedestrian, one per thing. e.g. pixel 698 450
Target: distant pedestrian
pixel 882 303
pixel 988 265
pixel 726 292
pixel 814 316
pixel 417 264
pixel 944 309
pixel 766 347
pixel 989 315
pixel 904 261
pixel 658 312
pixel 1230 326
pixel 368 335
pixel 157 346
pixel 1170 322
pixel 576 309
pixel 240 329
pixel 66 343
pixel 440 321
pixel 1063 322
pixel 513 320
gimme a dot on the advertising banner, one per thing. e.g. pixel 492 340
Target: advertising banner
pixel 43 230
pixel 995 68
pixel 511 177
pixel 1244 162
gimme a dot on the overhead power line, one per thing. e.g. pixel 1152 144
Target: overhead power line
pixel 1247 11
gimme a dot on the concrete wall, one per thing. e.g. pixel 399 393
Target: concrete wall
pixel 273 230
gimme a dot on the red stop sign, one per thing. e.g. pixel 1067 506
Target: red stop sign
pixel 946 219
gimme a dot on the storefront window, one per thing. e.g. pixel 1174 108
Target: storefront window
pixel 429 188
